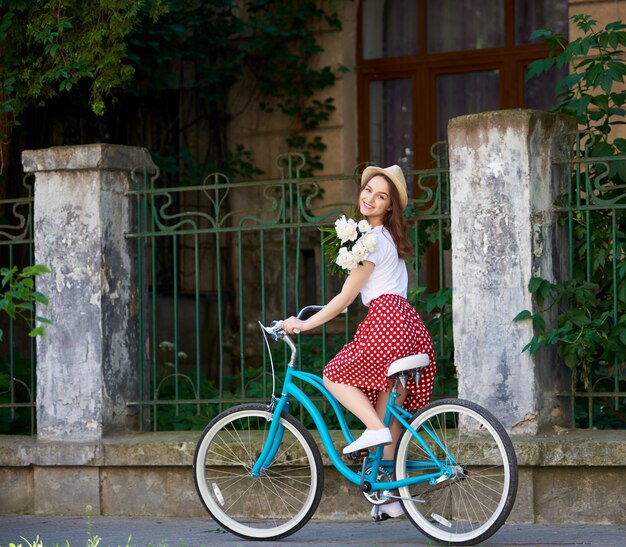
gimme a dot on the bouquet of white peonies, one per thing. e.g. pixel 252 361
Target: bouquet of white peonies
pixel 348 244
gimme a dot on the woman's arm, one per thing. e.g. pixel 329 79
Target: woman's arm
pixel 350 290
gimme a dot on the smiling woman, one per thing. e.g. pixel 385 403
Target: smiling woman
pixel 392 329
pixel 374 202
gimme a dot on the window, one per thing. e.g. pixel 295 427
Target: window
pixel 422 62
pixel 454 25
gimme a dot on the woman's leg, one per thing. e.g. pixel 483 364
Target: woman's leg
pixel 391 509
pixel 356 402
pixel 396 428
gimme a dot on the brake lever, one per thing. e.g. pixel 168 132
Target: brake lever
pixel 275 330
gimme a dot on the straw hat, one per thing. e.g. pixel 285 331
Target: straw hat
pixel 394 174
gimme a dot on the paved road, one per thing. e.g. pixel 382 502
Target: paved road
pixel 172 532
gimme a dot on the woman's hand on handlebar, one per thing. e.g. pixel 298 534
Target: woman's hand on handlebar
pixel 293 325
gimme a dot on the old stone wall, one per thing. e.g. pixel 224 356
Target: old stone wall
pixel 86 366
pixel 504 232
pixel 564 478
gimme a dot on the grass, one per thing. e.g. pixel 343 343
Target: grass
pixel 92 539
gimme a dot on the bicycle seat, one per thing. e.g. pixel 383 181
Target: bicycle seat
pixel 412 362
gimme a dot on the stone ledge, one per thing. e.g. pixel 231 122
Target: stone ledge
pixel 563 478
pixel 572 448
pixel 569 448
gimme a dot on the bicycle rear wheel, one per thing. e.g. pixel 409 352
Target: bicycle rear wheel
pixel 474 501
pixel 275 504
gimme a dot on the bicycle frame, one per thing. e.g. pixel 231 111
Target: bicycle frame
pixel 259 473
pixel 443 470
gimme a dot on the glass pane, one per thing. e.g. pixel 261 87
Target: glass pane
pixel 467 93
pixel 391 122
pixel 535 14
pixel 540 91
pixel 396 36
pixel 471 24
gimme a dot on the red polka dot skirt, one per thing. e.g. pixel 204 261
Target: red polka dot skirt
pixel 392 329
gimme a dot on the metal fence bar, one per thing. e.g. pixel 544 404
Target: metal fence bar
pixel 596 200
pixel 255 263
pixel 430 223
pixel 207 275
pixel 17 350
pixel 269 225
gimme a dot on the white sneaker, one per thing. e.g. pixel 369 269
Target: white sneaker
pixel 387 511
pixel 368 439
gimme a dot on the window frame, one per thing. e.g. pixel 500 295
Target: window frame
pixel 510 60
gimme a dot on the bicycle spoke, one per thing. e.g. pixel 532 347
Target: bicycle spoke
pixel 472 501
pixel 272 504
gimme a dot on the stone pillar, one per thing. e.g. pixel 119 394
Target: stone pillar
pixel 503 187
pixel 87 363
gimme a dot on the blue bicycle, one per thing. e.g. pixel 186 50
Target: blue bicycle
pixel 259 471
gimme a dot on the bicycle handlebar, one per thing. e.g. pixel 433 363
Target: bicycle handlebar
pixel 275 330
pixel 307 311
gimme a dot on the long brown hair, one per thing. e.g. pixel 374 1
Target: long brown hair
pixel 395 221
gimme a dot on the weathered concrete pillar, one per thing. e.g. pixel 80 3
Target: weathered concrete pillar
pixel 86 365
pixel 503 187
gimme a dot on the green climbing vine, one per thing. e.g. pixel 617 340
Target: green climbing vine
pixel 589 330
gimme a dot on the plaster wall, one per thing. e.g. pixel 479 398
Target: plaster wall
pixel 264 134
pixel 86 364
pixel 502 188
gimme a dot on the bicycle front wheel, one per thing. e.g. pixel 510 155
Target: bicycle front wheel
pixel 279 501
pixel 474 499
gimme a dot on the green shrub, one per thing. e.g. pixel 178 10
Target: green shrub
pixel 19 297
pixel 590 306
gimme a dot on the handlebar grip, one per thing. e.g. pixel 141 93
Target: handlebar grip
pixel 307 311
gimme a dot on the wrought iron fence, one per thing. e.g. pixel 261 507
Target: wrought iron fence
pixel 593 315
pixel 17 349
pixel 219 257
pixel 431 293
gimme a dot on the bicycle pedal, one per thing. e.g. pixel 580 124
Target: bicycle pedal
pixel 358 454
pixel 378 516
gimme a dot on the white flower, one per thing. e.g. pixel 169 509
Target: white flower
pixel 346 259
pixel 357 240
pixel 364 226
pixel 369 241
pixel 359 250
pixel 342 251
pixel 346 229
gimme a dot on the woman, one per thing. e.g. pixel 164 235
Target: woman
pixel 392 329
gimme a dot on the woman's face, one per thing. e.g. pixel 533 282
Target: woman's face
pixel 375 200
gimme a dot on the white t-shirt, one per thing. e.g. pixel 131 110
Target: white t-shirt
pixel 390 275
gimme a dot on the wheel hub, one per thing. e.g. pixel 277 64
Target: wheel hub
pixel 380 496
